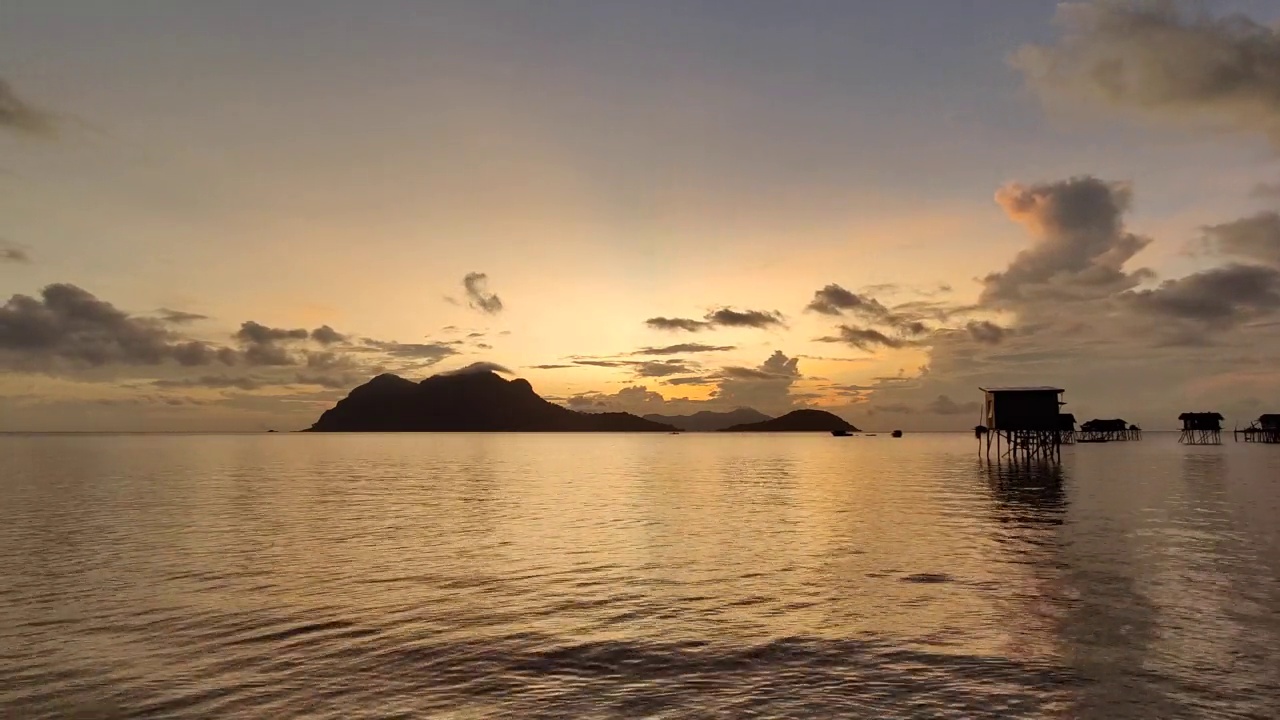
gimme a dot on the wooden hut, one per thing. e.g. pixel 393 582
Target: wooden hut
pixel 1108 430
pixel 1067 428
pixel 1266 429
pixel 1024 422
pixel 1201 428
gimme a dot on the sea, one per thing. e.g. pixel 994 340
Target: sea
pixel 634 576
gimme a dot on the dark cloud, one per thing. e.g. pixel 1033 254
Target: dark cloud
pixel 252 332
pixel 179 317
pixel 663 368
pixel 683 348
pixel 478 295
pixel 864 338
pixel 724 317
pixel 1080 245
pixel 1152 59
pixel 664 323
pixel 430 352
pixel 326 335
pixel 835 300
pixel 484 346
pixel 986 332
pixel 689 381
pixel 479 367
pixel 944 405
pixel 551 367
pixel 728 317
pixel 10 253
pixel 475 335
pixel 70 324
pixel 195 353
pixel 1255 238
pixel 734 372
pixel 329 360
pixel 19 116
pixel 1220 297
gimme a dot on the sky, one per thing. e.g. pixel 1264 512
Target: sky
pixel 224 216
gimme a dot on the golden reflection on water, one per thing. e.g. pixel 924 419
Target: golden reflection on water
pixel 1133 579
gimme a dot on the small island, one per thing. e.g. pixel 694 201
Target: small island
pixel 798 421
pixel 479 401
pixel 711 421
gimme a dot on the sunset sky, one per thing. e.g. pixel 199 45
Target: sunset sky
pixel 224 215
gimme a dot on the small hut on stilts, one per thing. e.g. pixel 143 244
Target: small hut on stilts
pixel 1024 423
pixel 1202 428
pixel 1266 429
pixel 1108 430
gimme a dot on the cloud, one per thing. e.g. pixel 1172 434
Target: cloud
pixel 987 332
pixel 728 317
pixel 1256 238
pixel 1080 245
pixel 1268 191
pixel 723 317
pixel 1153 61
pixel 10 253
pixel 253 332
pixel 766 387
pixel 478 295
pixel 689 381
pixel 326 335
pixel 663 368
pixel 212 381
pixel 178 317
pixel 19 116
pixel 664 323
pixel 835 300
pixel 683 348
pixel 550 367
pixel 944 405
pixel 431 352
pixel 260 343
pixel 479 367
pixel 864 338
pixel 1221 297
pixel 67 323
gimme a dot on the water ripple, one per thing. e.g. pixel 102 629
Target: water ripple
pixel 622 576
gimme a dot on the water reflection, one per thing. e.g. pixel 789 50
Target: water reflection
pixel 680 576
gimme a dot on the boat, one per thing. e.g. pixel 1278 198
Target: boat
pixel 896 433
pixel 841 433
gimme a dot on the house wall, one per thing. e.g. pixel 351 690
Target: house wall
pixel 1023 410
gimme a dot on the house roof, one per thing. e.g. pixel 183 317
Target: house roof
pixel 1041 388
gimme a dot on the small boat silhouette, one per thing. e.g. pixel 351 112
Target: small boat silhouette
pixel 841 433
pixel 896 433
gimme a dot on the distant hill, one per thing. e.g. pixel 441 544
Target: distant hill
pixel 708 421
pixel 797 421
pixel 467 402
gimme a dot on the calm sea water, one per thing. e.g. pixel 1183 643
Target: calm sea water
pixel 595 576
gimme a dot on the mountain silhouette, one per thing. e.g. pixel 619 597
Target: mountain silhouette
pixel 709 421
pixel 464 402
pixel 798 421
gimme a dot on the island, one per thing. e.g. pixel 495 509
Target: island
pixel 711 421
pixel 798 421
pixel 465 402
